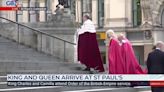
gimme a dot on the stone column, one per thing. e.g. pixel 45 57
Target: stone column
pixel 78 11
pixel 107 12
pixel 128 13
pixel 42 14
pixel 25 13
pixel 95 12
pixel 32 13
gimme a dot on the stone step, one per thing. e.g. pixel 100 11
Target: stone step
pixel 59 71
pixel 48 71
pixel 7 53
pixel 3 79
pixel 4 86
pixel 35 65
pixel 26 57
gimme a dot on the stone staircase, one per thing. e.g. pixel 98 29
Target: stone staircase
pixel 15 58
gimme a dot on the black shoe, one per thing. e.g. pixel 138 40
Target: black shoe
pixel 98 70
pixel 86 69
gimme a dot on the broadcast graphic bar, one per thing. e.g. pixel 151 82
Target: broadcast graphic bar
pixel 82 77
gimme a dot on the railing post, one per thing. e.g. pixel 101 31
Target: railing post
pixel 18 34
pixel 41 41
pixel 52 46
pixel 64 50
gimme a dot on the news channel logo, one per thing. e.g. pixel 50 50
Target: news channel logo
pixel 12 3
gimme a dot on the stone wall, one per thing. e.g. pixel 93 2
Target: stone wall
pixel 41 42
pixel 9 30
pixel 56 47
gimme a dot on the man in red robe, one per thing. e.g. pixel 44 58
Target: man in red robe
pixel 88 50
pixel 131 65
pixel 116 64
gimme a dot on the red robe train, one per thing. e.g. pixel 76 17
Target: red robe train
pixel 116 64
pixel 130 61
pixel 88 51
pixel 122 59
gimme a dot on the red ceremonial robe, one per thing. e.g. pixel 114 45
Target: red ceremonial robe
pixel 130 61
pixel 88 51
pixel 116 65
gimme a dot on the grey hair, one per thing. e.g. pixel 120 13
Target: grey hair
pixel 110 33
pixel 160 44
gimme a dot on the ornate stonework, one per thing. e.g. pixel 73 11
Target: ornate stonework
pixel 159 9
pixel 146 10
pixel 152 10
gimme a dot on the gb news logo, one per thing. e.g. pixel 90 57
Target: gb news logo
pixel 12 3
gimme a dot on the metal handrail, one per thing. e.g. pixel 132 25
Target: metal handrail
pixel 36 30
pixel 42 33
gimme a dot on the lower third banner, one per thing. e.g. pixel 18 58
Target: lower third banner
pixel 76 83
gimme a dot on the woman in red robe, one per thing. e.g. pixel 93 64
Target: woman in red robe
pixel 131 65
pixel 121 56
pixel 116 64
pixel 88 50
